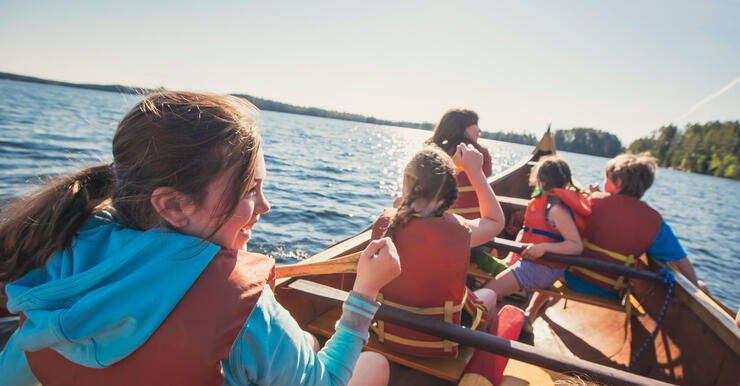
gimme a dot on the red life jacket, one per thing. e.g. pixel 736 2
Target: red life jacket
pixel 434 254
pixel 189 345
pixel 620 229
pixel 467 201
pixel 537 226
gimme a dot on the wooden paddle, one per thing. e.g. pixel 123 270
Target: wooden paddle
pixel 342 264
pixel 480 339
pixel 580 261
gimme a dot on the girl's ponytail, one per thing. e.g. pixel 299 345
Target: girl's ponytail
pixel 432 173
pixel 34 227
pixel 404 212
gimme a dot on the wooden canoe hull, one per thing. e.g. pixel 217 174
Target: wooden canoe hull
pixel 697 343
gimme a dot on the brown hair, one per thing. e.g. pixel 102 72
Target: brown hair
pixel 171 139
pixel 450 131
pixel 433 179
pixel 552 171
pixel 636 172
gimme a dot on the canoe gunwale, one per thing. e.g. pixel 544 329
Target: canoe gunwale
pixel 711 312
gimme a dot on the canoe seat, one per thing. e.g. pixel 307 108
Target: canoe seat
pixel 560 289
pixel 449 369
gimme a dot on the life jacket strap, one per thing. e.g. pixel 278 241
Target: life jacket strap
pixel 446 345
pixel 627 260
pixel 427 310
pixel 463 210
pixel 462 189
pixel 618 284
pixel 543 233
pixel 447 311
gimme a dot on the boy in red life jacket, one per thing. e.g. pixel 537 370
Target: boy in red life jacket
pixel 622 227
pixel 552 223
pixel 434 247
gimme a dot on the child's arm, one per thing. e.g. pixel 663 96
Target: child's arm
pixel 492 219
pixel 571 245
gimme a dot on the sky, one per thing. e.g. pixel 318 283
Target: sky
pixel 626 67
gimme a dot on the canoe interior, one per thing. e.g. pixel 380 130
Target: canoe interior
pixel 697 343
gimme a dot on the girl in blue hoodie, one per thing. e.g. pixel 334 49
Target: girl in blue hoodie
pixel 137 272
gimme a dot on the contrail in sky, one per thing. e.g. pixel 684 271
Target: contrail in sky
pixel 707 99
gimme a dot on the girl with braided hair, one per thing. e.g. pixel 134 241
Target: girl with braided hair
pixel 434 247
pixel 553 222
pixel 138 272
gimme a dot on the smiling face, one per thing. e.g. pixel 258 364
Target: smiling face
pixel 237 229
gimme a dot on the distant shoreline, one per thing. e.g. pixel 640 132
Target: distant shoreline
pixel 712 154
pixel 262 104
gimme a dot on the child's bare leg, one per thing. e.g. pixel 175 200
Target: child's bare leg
pixel 504 284
pixel 535 304
pixel 371 369
pixel 488 297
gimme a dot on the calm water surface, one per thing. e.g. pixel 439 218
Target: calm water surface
pixel 329 179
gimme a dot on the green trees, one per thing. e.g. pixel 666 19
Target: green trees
pixel 577 140
pixel 525 139
pixel 588 141
pixel 710 148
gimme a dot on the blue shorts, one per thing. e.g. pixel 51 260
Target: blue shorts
pixel 535 276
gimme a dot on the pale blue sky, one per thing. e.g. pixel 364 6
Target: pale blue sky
pixel 627 67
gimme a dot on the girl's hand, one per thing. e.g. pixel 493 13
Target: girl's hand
pixel 533 252
pixel 378 265
pixel 590 188
pixel 468 157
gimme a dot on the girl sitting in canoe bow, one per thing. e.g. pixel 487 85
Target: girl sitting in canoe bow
pixel 136 272
pixel 434 247
pixel 553 222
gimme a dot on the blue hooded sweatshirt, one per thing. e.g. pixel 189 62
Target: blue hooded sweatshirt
pixel 100 300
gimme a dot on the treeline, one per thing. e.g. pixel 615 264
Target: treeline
pixel 100 87
pixel 588 141
pixel 711 148
pixel 262 104
pixel 524 139
pixel 266 104
pixel 577 140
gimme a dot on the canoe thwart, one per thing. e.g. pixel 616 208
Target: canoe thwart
pixel 580 261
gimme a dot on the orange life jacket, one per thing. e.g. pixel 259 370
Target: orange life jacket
pixel 434 253
pixel 467 201
pixel 537 226
pixel 619 230
pixel 189 345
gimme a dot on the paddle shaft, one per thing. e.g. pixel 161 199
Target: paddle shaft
pixel 343 264
pixel 580 261
pixel 480 340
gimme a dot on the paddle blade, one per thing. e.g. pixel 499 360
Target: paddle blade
pixel 343 264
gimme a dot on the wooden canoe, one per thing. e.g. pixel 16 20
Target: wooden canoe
pixel 697 343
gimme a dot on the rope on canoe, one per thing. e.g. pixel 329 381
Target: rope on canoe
pixel 668 278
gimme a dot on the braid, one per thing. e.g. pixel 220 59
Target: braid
pixel 447 194
pixel 432 173
pixel 405 211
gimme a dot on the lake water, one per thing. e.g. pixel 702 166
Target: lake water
pixel 329 179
